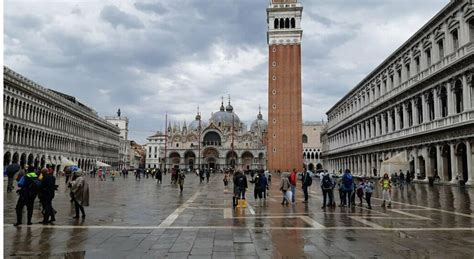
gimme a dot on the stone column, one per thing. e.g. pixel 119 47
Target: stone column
pixel 437 104
pixel 390 122
pixel 397 118
pixel 405 115
pixel 417 166
pixel 383 117
pixel 470 170
pixel 454 163
pixel 428 169
pixel 377 126
pixel 450 98
pixel 415 112
pixel 439 157
pixel 466 94
pixel 424 104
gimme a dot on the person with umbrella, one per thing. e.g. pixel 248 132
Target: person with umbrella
pixel 80 191
pixel 11 171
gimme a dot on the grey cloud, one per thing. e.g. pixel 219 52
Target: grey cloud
pixel 154 7
pixel 116 17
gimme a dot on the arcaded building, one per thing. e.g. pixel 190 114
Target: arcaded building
pixel 312 146
pixel 41 126
pixel 417 106
pixel 220 142
pixel 284 85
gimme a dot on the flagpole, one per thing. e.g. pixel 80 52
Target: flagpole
pixel 166 139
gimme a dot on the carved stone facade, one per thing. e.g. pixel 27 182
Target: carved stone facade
pixel 419 102
pixel 223 142
pixel 41 126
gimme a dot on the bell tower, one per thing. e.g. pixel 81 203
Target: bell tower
pixel 284 146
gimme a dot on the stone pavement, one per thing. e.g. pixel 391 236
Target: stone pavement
pixel 143 219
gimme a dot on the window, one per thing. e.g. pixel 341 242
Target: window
pixel 293 23
pixel 441 49
pixel 455 37
pixel 391 82
pixel 275 24
pixel 399 74
pixel 428 57
pixel 305 138
pixel 471 29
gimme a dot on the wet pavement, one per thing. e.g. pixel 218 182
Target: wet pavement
pixel 143 219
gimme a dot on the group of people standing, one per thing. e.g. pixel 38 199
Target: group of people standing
pixel 288 186
pixel 33 182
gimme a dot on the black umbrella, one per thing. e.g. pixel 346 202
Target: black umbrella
pixel 12 169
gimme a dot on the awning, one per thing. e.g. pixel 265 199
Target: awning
pixel 395 164
pixel 101 164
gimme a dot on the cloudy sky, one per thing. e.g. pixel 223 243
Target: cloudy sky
pixel 147 57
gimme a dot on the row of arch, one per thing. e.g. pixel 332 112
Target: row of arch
pixel 311 155
pixel 450 161
pixel 23 136
pixel 211 158
pixel 284 23
pixel 436 103
pixel 41 160
pixel 25 110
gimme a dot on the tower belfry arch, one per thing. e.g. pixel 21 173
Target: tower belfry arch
pixel 284 35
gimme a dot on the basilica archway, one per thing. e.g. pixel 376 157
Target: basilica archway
pixel 211 158
pixel 174 160
pixel 231 159
pixel 190 159
pixel 247 159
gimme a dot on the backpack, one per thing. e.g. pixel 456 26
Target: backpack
pixel 240 180
pixel 327 182
pixel 309 180
pixel 347 181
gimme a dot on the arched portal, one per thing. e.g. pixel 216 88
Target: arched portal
pixel 458 96
pixel 446 155
pixel 211 158
pixel 461 156
pixel 174 160
pixel 319 166
pixel 190 159
pixel 311 167
pixel 15 158
pixel 7 157
pixel 212 139
pixel 23 160
pixel 43 161
pixel 30 160
pixel 432 154
pixel 231 159
pixel 247 159
pixel 422 167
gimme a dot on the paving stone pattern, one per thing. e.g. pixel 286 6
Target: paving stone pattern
pixel 143 219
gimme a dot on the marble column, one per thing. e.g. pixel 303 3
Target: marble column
pixel 454 163
pixel 390 122
pixel 383 118
pixel 439 161
pixel 405 115
pixel 466 93
pixel 450 98
pixel 428 169
pixel 437 104
pixel 470 170
pixel 415 112
pixel 377 126
pixel 416 162
pixel 424 104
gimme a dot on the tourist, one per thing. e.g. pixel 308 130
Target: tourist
pixel 368 190
pixel 112 175
pixel 201 176
pixel 386 190
pixel 360 191
pixel 257 192
pixel 46 194
pixel 67 173
pixel 284 188
pixel 347 187
pixel 159 176
pixel 29 186
pixel 293 177
pixel 80 191
pixel 11 171
pixel 327 187
pixel 240 186
pixel 181 177
pixel 306 182
pixel 401 178
pixel 262 185
pixel 208 174
pixel 226 182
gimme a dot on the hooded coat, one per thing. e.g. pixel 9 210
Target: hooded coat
pixel 80 188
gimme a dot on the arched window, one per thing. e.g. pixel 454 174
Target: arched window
pixel 305 138
pixel 275 24
pixel 443 97
pixel 293 23
pixel 282 23
pixel 287 23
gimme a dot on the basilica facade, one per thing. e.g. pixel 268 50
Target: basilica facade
pixel 222 141
pixel 415 109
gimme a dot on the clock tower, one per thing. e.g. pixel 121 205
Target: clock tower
pixel 284 146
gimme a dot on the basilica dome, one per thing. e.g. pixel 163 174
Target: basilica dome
pixel 259 125
pixel 194 125
pixel 225 116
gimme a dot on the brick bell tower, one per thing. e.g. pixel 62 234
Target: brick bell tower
pixel 284 146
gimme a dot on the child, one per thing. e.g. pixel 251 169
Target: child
pixel 368 189
pixel 113 176
pixel 360 191
pixel 386 189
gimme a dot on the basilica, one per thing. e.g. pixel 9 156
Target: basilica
pixel 221 142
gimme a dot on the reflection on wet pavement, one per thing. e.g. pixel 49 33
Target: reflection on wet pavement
pixel 142 219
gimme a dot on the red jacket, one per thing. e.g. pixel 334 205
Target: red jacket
pixel 293 178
